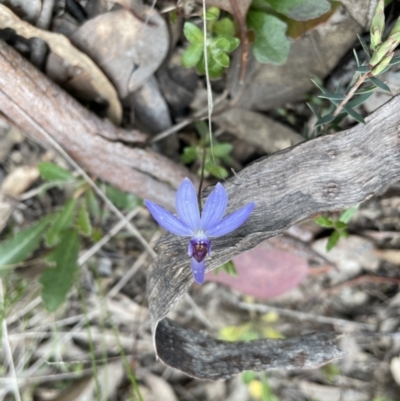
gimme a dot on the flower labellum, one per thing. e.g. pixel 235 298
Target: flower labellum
pixel 188 223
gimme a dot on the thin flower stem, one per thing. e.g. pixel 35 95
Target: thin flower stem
pixel 343 103
pixel 203 165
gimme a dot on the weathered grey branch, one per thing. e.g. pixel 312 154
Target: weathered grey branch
pixel 26 94
pixel 199 355
pixel 329 173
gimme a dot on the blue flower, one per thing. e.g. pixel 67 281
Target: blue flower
pixel 189 223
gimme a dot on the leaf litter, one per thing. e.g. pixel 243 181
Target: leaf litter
pixel 216 304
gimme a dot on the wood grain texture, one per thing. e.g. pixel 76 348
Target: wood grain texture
pixel 198 355
pixel 329 173
pixel 29 99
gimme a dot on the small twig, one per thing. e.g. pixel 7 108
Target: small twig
pixel 359 82
pixel 362 280
pixel 244 41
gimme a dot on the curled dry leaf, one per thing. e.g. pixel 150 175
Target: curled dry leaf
pixel 16 183
pixel 80 63
pixel 332 172
pixel 264 272
pixel 129 49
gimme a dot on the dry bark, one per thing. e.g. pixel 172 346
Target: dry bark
pixel 329 173
pixel 33 102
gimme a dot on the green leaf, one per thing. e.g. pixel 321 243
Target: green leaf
pixel 339 225
pixel 319 86
pixel 228 268
pixel 58 280
pixel 192 33
pixel 121 199
pixel 233 44
pixel 270 44
pixel 52 172
pixel 62 221
pixel 356 57
pixel 215 70
pixel 314 110
pixel 352 113
pixel 365 89
pixel 83 220
pixel 359 99
pixel 17 249
pixel 216 171
pixel 395 60
pixel 377 82
pixel 212 14
pixel 192 55
pixel 324 120
pixel 248 376
pixel 189 154
pixel 332 241
pixel 332 96
pixel 324 221
pixel 222 149
pixel 347 215
pixel 224 27
pixel 92 204
pixel 301 10
pixel 363 69
pixel 222 59
pixel 364 46
pixel 219 44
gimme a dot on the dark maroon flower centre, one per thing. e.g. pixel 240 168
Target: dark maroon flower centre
pixel 200 249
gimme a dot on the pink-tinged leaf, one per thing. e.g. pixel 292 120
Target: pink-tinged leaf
pixel 264 272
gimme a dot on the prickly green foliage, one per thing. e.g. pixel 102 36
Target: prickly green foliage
pixel 381 48
pixel 339 226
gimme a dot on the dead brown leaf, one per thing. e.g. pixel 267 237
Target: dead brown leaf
pixel 79 62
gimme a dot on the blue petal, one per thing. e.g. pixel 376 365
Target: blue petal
pixel 167 220
pixel 231 222
pixel 190 248
pixel 215 207
pixel 198 269
pixel 187 206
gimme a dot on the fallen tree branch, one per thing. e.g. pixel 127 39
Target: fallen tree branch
pixel 329 173
pixel 95 144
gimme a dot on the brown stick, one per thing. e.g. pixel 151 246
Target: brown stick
pixel 27 95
